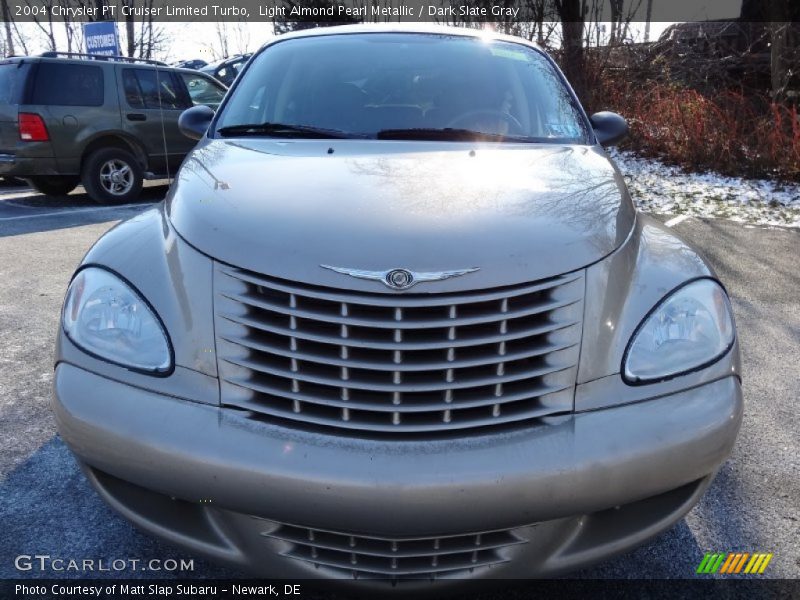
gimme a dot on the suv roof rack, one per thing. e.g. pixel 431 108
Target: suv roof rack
pixel 103 57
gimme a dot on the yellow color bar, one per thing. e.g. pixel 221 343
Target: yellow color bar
pixel 764 563
pixel 752 563
pixel 757 564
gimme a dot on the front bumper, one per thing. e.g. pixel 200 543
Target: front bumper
pixel 574 490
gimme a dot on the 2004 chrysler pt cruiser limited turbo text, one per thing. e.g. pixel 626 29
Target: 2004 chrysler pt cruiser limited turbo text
pixel 398 319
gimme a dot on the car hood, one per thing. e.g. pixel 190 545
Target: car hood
pixel 516 212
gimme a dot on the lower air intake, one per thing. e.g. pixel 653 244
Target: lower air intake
pixel 345 555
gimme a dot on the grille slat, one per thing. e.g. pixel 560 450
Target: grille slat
pixel 389 300
pixel 397 343
pixel 423 569
pixel 448 403
pixel 372 422
pixel 354 321
pixel 398 363
pixel 358 556
pixel 396 384
pixel 491 357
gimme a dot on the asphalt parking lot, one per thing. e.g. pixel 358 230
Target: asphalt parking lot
pixel 46 507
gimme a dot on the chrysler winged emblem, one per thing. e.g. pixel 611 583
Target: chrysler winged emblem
pixel 400 279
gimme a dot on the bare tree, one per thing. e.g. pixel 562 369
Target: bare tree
pixel 529 22
pixel 784 47
pixel 572 14
pixel 44 24
pixel 221 47
pixel 73 31
pixel 783 35
pixel 152 39
pixel 648 19
pixel 142 37
pixel 616 7
pixel 130 32
pixel 232 38
pixel 286 24
pixel 21 40
pixel 8 49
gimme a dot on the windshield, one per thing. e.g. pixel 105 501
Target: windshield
pixel 404 86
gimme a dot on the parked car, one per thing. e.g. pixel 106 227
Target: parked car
pixel 104 122
pixel 398 319
pixel 227 69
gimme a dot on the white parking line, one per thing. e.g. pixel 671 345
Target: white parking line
pixel 68 211
pixel 675 220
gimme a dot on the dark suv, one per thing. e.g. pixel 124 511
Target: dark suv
pixel 105 122
pixel 227 69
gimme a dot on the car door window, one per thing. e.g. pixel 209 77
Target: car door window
pixel 133 93
pixel 151 88
pixel 203 90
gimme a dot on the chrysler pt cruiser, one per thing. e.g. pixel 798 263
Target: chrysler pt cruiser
pixel 398 320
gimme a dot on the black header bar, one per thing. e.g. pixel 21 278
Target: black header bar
pixel 443 11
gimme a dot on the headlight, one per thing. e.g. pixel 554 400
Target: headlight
pixel 105 317
pixel 689 329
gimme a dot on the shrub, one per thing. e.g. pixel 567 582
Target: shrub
pixel 727 131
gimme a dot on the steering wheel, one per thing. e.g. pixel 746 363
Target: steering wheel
pixel 514 126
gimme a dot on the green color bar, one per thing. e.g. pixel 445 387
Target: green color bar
pixel 704 562
pixel 718 563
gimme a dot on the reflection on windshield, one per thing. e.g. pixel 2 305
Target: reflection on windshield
pixel 368 83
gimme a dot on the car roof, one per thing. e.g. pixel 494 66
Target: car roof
pixel 196 71
pixel 85 59
pixel 128 62
pixel 223 61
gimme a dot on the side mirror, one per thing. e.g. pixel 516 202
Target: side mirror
pixel 194 121
pixel 609 127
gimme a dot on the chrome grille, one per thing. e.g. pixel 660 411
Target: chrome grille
pixel 357 556
pixel 397 362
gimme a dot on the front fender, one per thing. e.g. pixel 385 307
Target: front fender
pixel 176 280
pixel 620 291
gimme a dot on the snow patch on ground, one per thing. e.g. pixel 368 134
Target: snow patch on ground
pixel 662 189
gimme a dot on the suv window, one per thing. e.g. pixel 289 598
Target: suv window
pixel 224 73
pixel 203 91
pixel 144 88
pixel 68 85
pixel 8 76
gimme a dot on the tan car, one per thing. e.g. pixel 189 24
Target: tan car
pixel 398 320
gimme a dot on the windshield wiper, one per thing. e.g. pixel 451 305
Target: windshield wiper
pixel 284 130
pixel 446 134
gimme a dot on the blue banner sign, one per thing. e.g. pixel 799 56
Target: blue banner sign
pixel 101 38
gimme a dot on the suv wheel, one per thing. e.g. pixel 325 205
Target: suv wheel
pixel 112 176
pixel 54 185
